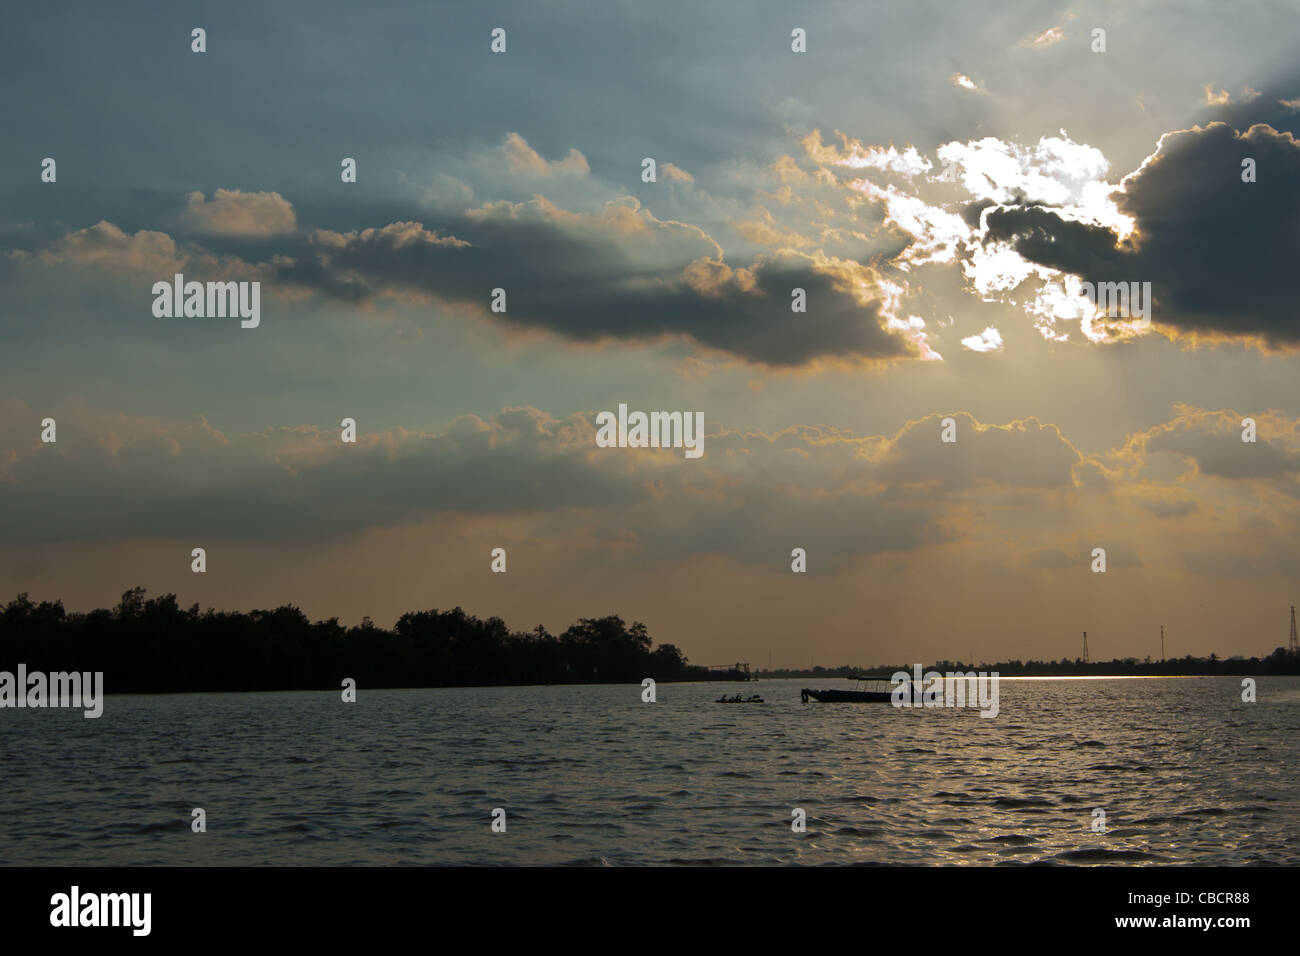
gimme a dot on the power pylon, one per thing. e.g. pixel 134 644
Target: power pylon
pixel 1085 647
pixel 1292 647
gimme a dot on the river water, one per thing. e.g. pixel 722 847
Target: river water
pixel 1184 771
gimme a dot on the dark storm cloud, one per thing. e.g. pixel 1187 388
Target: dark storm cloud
pixel 1042 236
pixel 1219 252
pixel 1278 106
pixel 971 212
pixel 621 275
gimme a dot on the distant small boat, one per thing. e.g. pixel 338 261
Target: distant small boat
pixel 738 699
pixel 867 690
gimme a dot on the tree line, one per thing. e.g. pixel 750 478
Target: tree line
pixel 1281 661
pixel 152 645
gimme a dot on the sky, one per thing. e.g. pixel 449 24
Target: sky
pixel 938 179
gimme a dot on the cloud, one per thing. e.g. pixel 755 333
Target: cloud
pixel 987 341
pixel 1169 507
pixel 146 253
pixel 106 246
pixel 186 480
pixel 1221 265
pixel 1218 267
pixel 1019 454
pixel 523 159
pixel 620 274
pixel 1002 180
pixel 1054 558
pixel 852 154
pixel 675 173
pixel 1056 171
pixel 751 497
pixel 189 481
pixel 1119 556
pixel 1211 441
pixel 763 230
pixel 1002 488
pixel 937 235
pixel 235 213
pixel 1048 37
pixel 1221 98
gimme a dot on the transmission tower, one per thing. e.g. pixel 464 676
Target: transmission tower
pixel 1085 647
pixel 1162 642
pixel 1292 647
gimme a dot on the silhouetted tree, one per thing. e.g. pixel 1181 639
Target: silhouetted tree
pixel 153 645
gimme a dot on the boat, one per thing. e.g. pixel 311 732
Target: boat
pixel 738 699
pixel 866 690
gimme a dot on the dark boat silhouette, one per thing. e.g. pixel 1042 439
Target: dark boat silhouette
pixel 866 690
